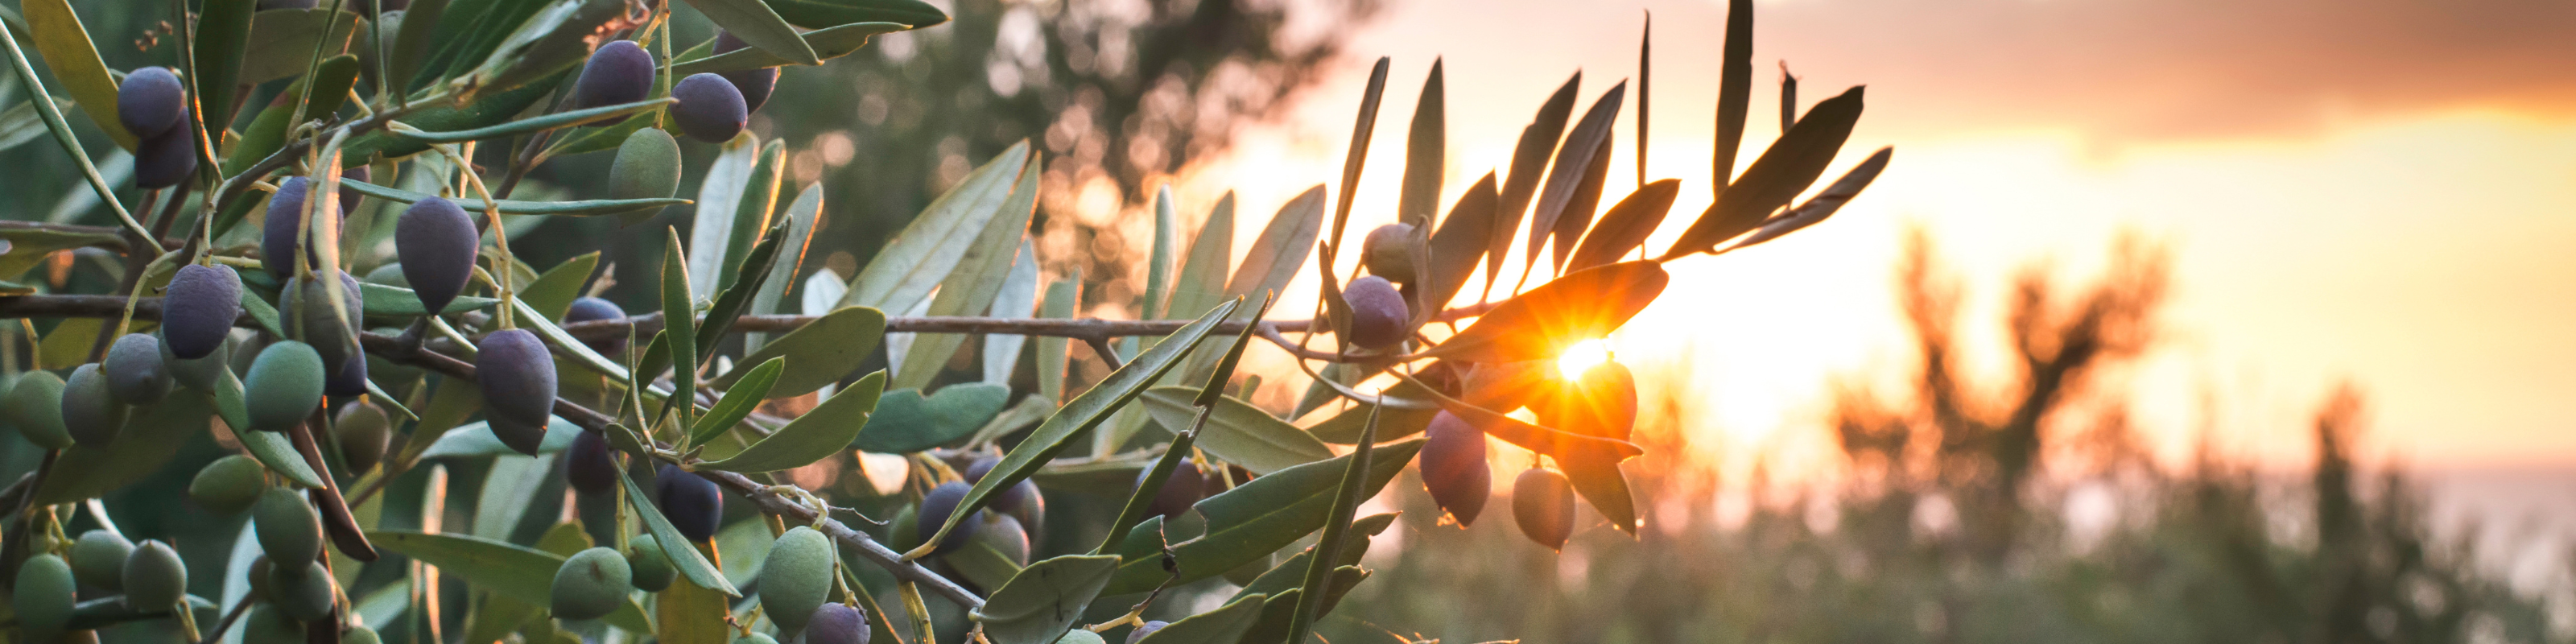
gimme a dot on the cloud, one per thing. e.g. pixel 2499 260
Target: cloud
pixel 2162 70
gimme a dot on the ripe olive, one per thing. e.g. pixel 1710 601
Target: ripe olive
pixel 90 411
pixel 1378 313
pixel 591 308
pixel 151 102
pixel 1145 629
pixel 135 373
pixel 198 309
pixel 1543 505
pixel 1388 252
pixel 166 160
pixel 518 381
pixel 710 109
pixel 154 576
pixel 288 529
pixel 796 577
pixel 935 508
pixel 837 624
pixel 44 596
pixel 691 502
pixel 278 234
pixel 98 558
pixel 350 380
pixel 1021 500
pixel 618 72
pixel 755 84
pixel 1453 467
pixel 1184 489
pixel 591 584
pixel 1004 534
pixel 589 466
pixel 230 484
pixel 437 245
pixel 35 406
pixel 1603 402
pixel 283 385
pixel 650 566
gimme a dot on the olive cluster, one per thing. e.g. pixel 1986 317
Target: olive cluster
pixel 147 578
pixel 1602 402
pixel 712 107
pixel 1006 525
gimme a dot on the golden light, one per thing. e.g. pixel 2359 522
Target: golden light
pixel 1582 356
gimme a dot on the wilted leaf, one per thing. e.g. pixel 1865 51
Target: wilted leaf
pixel 515 571
pixel 1043 600
pixel 906 421
pixel 1237 432
pixel 822 432
pixel 1541 323
pixel 1626 226
pixel 825 349
pixel 1250 521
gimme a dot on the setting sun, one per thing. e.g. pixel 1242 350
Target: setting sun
pixel 1582 356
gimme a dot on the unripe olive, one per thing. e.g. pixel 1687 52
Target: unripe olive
pixel 518 380
pixel 166 160
pixel 589 466
pixel 1388 252
pixel 591 308
pixel 1543 505
pixel 1080 636
pixel 591 584
pixel 618 72
pixel 935 508
pixel 198 309
pixel 261 577
pixel 710 109
pixel 44 596
pixel 363 430
pixel 35 407
pixel 98 558
pixel 304 306
pixel 755 84
pixel 647 167
pixel 283 385
pixel 285 219
pixel 1145 629
pixel 838 624
pixel 90 411
pixel 1006 536
pixel 302 592
pixel 202 374
pixel 1184 489
pixel 151 102
pixel 360 635
pixel 288 529
pixel 155 577
pixel 1453 467
pixel 796 577
pixel 1378 313
pixel 690 502
pixel 650 566
pixel 267 625
pixel 135 374
pixel 904 532
pixel 437 245
pixel 229 485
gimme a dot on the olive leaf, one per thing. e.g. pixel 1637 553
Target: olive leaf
pixel 969 289
pixel 1626 226
pixel 907 421
pixel 759 26
pixel 1541 323
pixel 1237 432
pixel 1225 624
pixel 1786 169
pixel 1017 300
pixel 684 554
pixel 1458 246
pixel 802 216
pixel 727 184
pixel 151 437
pixel 577 208
pixel 1043 600
pixel 1529 162
pixel 223 31
pixel 29 246
pixel 1287 575
pixel 554 290
pixel 475 440
pixel 905 270
pixel 282 41
pixel 529 125
pixel 382 300
pixel 1734 90
pixel 1823 204
pixel 68 52
pixel 825 349
pixel 820 433
pixel 738 401
pixel 1250 521
pixel 511 570
pixel 1425 148
pixel 1061 299
pixel 1571 170
pixel 829 43
pixel 825 14
pixel 691 615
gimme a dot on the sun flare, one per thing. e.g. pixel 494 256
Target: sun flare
pixel 1582 356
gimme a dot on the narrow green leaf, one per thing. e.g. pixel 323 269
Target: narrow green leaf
pixel 67 50
pixel 515 571
pixel 802 217
pixel 222 40
pixel 282 41
pixel 906 421
pixel 738 401
pixel 684 556
pixel 691 615
pixel 1237 432
pixel 737 296
pixel 1017 300
pixel 553 291
pixel 1824 203
pixel 1577 215
pixel 63 129
pixel 579 208
pixel 1043 601
pixel 759 26
pixel 1250 521
pixel 411 41
pixel 531 124
pixel 151 437
pixel 383 300
pixel 1626 226
pixel 720 202
pixel 679 324
pixel 829 43
pixel 1775 178
pixel 1571 170
pixel 1353 490
pixel 1202 280
pixel 1458 246
pixel 1361 131
pixel 1529 162
pixel 1281 251
pixel 977 279
pixel 824 14
pixel 825 349
pixel 550 41
pixel 488 108
pixel 1221 626
pixel 1734 90
pixel 1158 266
pixel 980 564
pixel 572 349
pixel 334 76
pixel 1288 575
pixel 31 246
pixel 1425 149
pixel 271 449
pixel 1061 298
pixel 475 440
pixel 510 485
pixel 825 431
pixel 1541 323
pixel 1085 412
pixel 909 266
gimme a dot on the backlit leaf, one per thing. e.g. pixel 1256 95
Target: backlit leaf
pixel 1626 226
pixel 1224 625
pixel 1786 169
pixel 828 44
pixel 281 41
pixel 825 14
pixel 759 26
pixel 738 401
pixel 1425 148
pixel 577 208
pixel 1541 323
pixel 1565 177
pixel 1459 245
pixel 970 288
pixel 1529 162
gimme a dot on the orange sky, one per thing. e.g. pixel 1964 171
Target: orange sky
pixel 2372 190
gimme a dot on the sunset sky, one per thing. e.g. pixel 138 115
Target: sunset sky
pixel 2373 191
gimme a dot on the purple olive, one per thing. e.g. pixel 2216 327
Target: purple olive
pixel 518 379
pixel 590 309
pixel 278 235
pixel 1378 313
pixel 1145 629
pixel 349 380
pixel 437 244
pixel 1184 489
pixel 1543 505
pixel 166 160
pixel 1453 467
pixel 837 623
pixel 691 502
pixel 755 84
pixel 710 109
pixel 619 72
pixel 589 466
pixel 935 508
pixel 151 102
pixel 199 308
